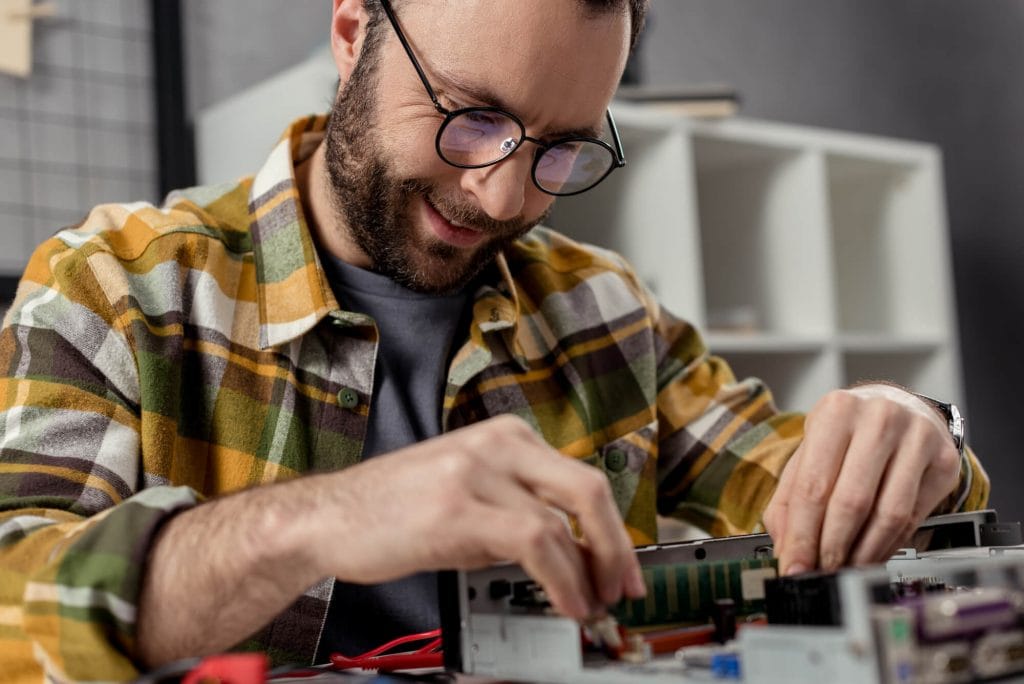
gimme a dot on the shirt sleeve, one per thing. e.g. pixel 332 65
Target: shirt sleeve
pixel 76 518
pixel 724 443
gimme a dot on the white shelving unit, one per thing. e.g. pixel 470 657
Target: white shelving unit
pixel 810 258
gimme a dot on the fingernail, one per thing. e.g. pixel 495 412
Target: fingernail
pixel 796 569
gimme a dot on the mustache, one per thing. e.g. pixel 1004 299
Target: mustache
pixel 466 215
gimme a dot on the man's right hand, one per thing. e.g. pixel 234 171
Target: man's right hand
pixel 485 493
pixel 474 497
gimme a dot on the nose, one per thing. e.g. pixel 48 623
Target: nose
pixel 501 189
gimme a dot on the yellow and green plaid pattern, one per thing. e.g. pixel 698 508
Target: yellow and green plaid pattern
pixel 157 356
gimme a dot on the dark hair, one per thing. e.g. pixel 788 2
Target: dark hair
pixel 637 16
pixel 637 13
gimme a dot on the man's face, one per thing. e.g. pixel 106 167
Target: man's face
pixel 429 226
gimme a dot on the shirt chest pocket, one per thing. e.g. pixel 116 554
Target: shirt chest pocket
pixel 628 462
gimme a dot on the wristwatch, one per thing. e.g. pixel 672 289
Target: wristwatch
pixel 954 421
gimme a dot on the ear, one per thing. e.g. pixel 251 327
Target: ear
pixel 348 30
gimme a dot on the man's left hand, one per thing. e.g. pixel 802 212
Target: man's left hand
pixel 874 462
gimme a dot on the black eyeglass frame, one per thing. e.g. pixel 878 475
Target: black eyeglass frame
pixel 618 155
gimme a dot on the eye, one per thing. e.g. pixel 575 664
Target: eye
pixel 562 153
pixel 485 118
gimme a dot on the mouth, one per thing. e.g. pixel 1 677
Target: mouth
pixel 450 232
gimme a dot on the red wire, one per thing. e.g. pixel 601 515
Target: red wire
pixel 396 661
pixel 432 634
pixel 430 647
pixel 373 660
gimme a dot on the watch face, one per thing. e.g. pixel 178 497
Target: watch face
pixel 955 421
pixel 957 426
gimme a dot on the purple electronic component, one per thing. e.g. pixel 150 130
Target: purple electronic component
pixel 966 614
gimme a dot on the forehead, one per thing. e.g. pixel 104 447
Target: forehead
pixel 542 56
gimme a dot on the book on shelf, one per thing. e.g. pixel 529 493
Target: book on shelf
pixel 712 101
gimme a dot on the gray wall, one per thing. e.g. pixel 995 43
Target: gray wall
pixel 944 71
pixel 234 44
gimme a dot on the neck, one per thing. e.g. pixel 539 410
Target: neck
pixel 328 228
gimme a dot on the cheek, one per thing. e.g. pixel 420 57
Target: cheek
pixel 409 148
pixel 536 203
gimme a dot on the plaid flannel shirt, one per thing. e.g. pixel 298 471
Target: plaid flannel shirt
pixel 158 356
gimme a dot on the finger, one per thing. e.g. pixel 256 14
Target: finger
pixel 775 512
pixel 924 492
pixel 614 563
pixel 633 585
pixel 495 488
pixel 854 494
pixel 557 563
pixel 823 448
pixel 541 544
pixel 903 540
pixel 893 513
pixel 910 537
pixel 917 479
pixel 626 589
pixel 584 492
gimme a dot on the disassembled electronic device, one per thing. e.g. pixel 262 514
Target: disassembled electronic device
pixel 951 609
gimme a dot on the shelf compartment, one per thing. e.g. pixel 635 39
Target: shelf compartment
pixel 891 256
pixel 764 241
pixel 655 187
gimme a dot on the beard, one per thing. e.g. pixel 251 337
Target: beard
pixel 372 202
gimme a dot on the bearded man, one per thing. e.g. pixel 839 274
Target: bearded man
pixel 264 414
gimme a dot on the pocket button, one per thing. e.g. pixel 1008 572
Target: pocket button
pixel 348 398
pixel 615 460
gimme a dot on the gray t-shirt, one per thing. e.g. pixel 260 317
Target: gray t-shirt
pixel 416 336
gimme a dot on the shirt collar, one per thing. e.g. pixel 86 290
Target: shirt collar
pixel 292 290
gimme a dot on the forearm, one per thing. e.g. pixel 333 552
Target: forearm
pixel 220 571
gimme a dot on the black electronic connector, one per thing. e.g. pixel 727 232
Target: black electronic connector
pixel 529 594
pixel 808 599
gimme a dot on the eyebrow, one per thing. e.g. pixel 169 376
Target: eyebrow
pixel 489 98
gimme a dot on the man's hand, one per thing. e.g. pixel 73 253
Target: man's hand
pixel 874 462
pixel 490 492
pixel 480 495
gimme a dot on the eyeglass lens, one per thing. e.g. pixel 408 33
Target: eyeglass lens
pixel 481 137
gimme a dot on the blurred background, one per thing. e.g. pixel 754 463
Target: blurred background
pixel 109 112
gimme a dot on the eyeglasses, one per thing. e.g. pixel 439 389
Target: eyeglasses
pixel 475 137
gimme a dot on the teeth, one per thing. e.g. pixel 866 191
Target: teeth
pixel 461 225
pixel 454 223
